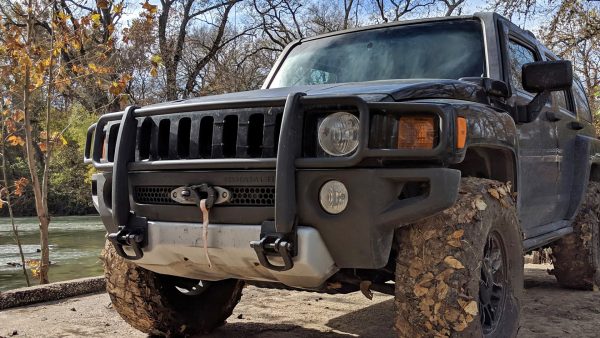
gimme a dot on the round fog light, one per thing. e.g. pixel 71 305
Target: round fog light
pixel 333 197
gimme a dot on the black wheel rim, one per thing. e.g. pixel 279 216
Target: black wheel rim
pixel 186 286
pixel 493 285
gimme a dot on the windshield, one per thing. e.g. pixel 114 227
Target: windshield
pixel 438 50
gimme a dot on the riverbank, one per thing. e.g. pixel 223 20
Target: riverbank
pixel 548 311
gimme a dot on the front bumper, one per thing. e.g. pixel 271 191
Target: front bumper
pixel 359 237
pixel 177 249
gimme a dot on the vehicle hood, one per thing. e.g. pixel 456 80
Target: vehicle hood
pixel 372 91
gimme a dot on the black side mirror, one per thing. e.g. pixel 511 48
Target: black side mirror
pixel 544 77
pixel 547 76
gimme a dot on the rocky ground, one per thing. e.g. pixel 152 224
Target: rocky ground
pixel 548 311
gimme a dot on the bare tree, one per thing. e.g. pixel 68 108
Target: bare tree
pixel 280 20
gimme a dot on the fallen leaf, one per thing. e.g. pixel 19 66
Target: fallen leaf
pixel 458 234
pixel 415 268
pixel 444 274
pixel 494 193
pixel 471 308
pixel 451 315
pixel 419 291
pixel 453 263
pixel 480 204
pixel 502 191
pixel 442 290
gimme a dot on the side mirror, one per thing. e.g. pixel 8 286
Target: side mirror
pixel 547 76
pixel 544 77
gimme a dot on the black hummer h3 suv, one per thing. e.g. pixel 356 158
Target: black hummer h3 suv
pixel 417 158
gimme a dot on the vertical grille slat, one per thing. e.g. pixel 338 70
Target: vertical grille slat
pixel 217 139
pixel 205 137
pixel 195 138
pixel 184 130
pixel 241 150
pixel 255 135
pixel 230 136
pixel 144 140
pixel 164 135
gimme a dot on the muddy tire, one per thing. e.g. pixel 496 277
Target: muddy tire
pixel 576 257
pixel 160 305
pixel 459 273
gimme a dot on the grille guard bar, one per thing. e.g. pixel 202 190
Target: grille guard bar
pixel 287 161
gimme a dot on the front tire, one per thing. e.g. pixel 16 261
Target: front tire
pixel 166 305
pixel 576 257
pixel 460 273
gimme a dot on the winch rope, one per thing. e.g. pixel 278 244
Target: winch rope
pixel 205 221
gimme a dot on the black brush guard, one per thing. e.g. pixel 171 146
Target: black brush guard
pixel 277 237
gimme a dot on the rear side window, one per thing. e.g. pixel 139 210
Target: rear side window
pixel 581 103
pixel 518 56
pixel 561 99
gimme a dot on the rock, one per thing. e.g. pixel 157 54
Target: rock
pixel 50 292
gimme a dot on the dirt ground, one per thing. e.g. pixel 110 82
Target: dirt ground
pixel 548 311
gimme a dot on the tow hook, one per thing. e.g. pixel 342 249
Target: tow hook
pixel 272 243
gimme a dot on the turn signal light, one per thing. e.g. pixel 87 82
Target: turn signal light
pixel 461 132
pixel 417 132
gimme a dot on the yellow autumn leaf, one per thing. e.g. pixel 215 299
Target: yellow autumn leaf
pixel 15 140
pixel 453 263
pixel 118 9
pixel 96 18
pixel 153 72
pixel 471 308
pixel 92 67
pixel 156 59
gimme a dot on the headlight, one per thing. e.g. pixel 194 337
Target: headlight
pixel 338 134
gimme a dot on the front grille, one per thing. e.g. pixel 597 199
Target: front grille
pixel 242 133
pixel 240 196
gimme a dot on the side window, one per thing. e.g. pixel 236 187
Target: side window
pixel 561 99
pixel 518 56
pixel 581 103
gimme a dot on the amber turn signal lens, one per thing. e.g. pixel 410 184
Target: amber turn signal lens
pixel 416 133
pixel 461 132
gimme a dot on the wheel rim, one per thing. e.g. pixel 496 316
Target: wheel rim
pixel 189 287
pixel 493 284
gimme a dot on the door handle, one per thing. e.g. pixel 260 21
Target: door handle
pixel 552 117
pixel 575 125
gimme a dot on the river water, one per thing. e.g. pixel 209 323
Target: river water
pixel 75 245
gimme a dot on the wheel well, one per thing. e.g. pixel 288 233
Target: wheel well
pixel 492 163
pixel 595 172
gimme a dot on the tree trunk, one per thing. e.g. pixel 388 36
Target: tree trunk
pixel 41 207
pixel 9 204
